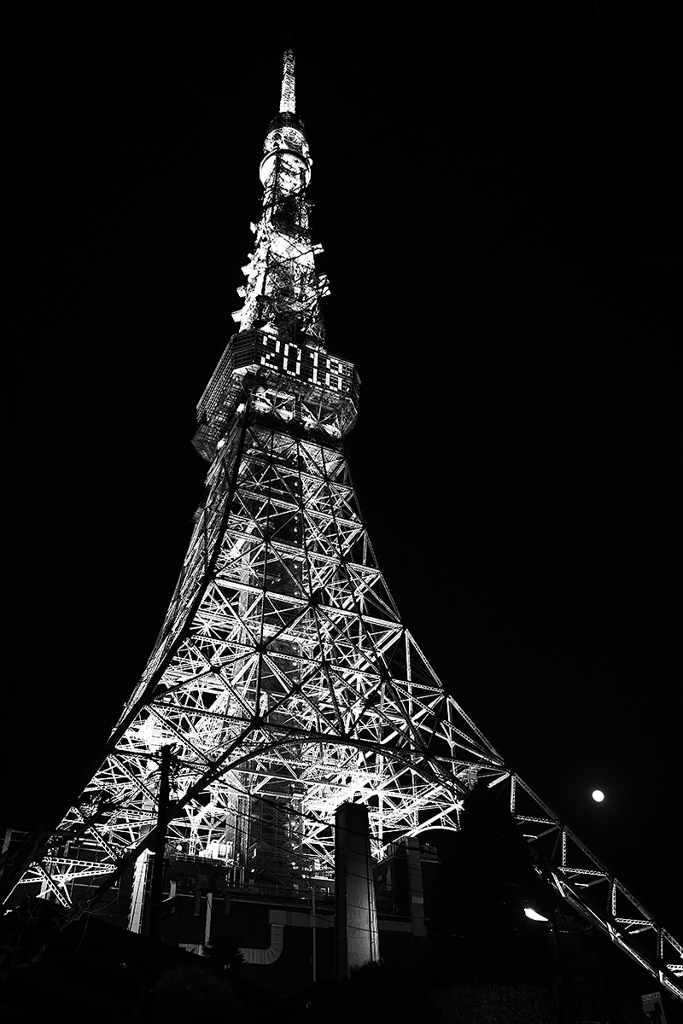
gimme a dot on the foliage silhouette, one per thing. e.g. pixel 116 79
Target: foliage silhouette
pixel 225 956
pixel 480 931
pixel 192 992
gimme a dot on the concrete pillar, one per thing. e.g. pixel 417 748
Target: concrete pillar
pixel 356 916
pixel 415 890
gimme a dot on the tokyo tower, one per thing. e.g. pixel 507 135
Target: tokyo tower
pixel 283 677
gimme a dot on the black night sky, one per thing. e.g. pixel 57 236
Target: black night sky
pixel 497 194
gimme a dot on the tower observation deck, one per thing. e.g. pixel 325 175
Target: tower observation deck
pixel 283 677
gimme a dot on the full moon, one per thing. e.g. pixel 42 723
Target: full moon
pixel 598 796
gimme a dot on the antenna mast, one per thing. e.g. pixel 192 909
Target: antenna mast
pixel 287 96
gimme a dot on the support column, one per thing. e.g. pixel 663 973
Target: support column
pixel 415 889
pixel 357 940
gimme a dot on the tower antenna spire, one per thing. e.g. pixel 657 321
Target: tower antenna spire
pixel 287 96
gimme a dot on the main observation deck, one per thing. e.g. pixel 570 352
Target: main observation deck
pixel 297 382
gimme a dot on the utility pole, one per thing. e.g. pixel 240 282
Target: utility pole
pixel 157 883
pixel 315 948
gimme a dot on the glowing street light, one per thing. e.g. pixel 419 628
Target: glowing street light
pixel 533 915
pixel 598 796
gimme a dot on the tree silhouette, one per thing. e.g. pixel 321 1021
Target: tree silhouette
pixel 224 956
pixel 487 879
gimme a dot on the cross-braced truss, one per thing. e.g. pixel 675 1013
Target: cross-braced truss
pixel 286 683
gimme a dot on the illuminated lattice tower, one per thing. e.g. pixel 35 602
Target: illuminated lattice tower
pixel 283 676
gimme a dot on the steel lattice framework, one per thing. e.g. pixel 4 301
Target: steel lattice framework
pixel 283 676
